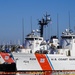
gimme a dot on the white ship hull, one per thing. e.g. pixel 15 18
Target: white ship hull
pixel 43 62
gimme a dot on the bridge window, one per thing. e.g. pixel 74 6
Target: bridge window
pixel 30 39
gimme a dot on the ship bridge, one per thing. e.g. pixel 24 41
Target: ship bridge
pixel 68 41
pixel 33 41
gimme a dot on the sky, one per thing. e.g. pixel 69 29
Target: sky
pixel 12 12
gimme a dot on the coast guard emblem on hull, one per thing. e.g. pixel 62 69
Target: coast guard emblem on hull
pixel 42 60
pixel 6 57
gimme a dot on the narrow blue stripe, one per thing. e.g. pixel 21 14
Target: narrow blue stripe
pixel 50 62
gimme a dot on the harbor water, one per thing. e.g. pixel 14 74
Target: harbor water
pixel 39 73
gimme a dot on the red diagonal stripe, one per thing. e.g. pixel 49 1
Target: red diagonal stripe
pixel 43 61
pixel 6 57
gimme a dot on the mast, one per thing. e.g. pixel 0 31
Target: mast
pixel 31 23
pixel 43 22
pixel 23 32
pixel 57 26
pixel 69 21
